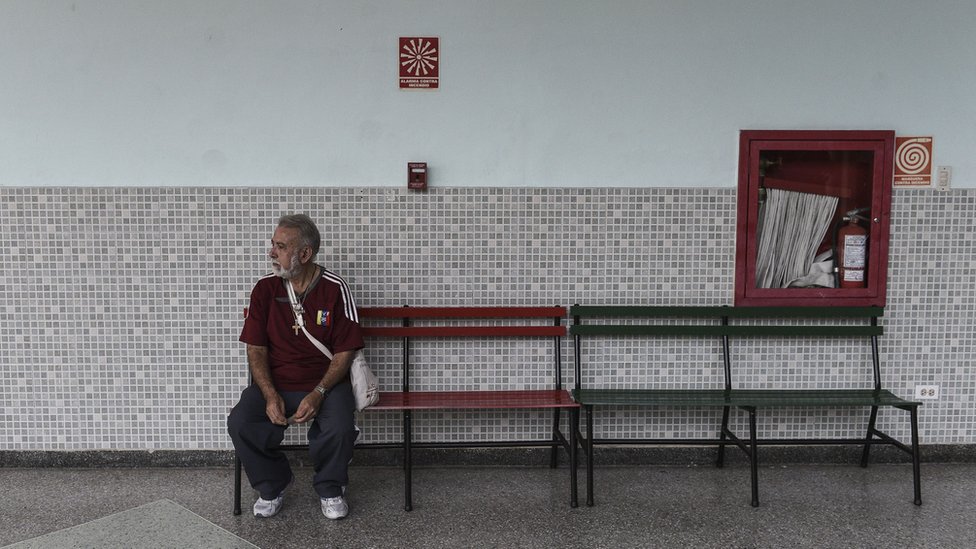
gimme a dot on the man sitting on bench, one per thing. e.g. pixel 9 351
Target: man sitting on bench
pixel 292 380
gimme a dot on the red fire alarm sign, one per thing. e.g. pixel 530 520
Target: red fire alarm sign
pixel 419 63
pixel 417 176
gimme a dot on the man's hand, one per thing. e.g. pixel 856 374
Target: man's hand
pixel 275 408
pixel 257 359
pixel 338 369
pixel 308 408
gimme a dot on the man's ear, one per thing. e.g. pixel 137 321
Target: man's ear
pixel 306 254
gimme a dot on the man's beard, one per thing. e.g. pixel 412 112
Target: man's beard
pixel 288 274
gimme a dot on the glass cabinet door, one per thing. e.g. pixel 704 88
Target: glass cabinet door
pixel 813 210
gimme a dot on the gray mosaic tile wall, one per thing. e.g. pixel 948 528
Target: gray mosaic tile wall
pixel 120 307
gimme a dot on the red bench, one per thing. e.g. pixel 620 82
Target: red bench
pixel 481 323
pixel 456 327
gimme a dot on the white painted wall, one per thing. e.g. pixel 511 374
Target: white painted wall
pixel 534 92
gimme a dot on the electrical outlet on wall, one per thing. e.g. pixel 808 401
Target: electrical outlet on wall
pixel 927 392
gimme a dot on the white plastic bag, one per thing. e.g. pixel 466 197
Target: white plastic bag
pixel 365 384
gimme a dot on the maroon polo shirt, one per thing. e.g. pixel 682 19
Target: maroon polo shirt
pixel 330 316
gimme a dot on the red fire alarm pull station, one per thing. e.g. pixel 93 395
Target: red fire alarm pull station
pixel 417 176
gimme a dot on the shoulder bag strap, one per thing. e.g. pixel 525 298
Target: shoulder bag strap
pixel 297 309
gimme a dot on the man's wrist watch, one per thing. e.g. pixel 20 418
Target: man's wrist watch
pixel 322 391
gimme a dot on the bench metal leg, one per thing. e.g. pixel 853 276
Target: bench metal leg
pixel 589 456
pixel 867 444
pixel 407 464
pixel 720 462
pixel 573 457
pixel 916 458
pixel 754 451
pixel 554 450
pixel 237 485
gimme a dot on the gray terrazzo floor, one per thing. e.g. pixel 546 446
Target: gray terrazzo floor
pixel 802 506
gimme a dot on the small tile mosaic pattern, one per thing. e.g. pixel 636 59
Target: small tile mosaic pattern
pixel 120 307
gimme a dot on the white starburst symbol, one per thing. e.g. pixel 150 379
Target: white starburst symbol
pixel 418 57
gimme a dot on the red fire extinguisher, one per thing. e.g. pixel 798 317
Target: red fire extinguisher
pixel 852 251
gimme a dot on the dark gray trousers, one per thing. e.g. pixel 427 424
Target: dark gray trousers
pixel 330 438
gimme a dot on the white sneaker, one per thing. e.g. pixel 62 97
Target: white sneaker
pixel 266 508
pixel 335 508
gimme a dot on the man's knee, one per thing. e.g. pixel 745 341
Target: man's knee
pixel 244 416
pixel 327 436
pixel 235 421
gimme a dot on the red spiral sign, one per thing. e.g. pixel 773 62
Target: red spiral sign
pixel 913 161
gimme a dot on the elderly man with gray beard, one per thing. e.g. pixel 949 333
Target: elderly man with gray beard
pixel 292 380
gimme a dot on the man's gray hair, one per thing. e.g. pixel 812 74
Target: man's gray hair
pixel 308 233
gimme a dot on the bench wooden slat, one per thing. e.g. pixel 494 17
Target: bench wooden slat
pixel 758 398
pixel 463 331
pixel 462 312
pixel 818 397
pixel 740 331
pixel 719 311
pixel 484 400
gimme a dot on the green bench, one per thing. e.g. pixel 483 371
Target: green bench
pixel 724 324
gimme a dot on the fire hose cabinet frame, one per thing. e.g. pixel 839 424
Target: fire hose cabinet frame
pixel 796 186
